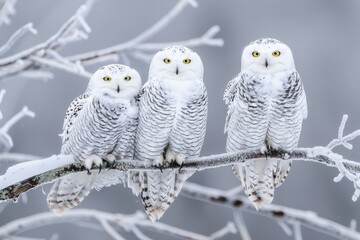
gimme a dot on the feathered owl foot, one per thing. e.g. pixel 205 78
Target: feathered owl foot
pixel 159 162
pixel 268 150
pixel 111 159
pixel 172 157
pixel 93 160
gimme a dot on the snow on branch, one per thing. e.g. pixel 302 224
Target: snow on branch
pixel 110 223
pixel 24 176
pixel 284 216
pixel 76 28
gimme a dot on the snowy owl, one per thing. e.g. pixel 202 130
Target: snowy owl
pixel 172 124
pixel 99 124
pixel 266 106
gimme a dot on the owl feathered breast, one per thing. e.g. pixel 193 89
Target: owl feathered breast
pixel 264 114
pixel 168 117
pixel 93 126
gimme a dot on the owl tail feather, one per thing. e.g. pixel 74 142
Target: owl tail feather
pixel 258 179
pixel 155 214
pixel 159 190
pixel 69 191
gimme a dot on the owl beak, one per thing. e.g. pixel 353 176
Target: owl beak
pixel 177 71
pixel 118 89
pixel 266 63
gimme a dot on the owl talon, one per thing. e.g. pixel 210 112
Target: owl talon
pixel 88 171
pixel 93 160
pixel 181 166
pixel 170 156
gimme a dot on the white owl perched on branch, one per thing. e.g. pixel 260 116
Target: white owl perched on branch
pixel 99 124
pixel 266 107
pixel 172 124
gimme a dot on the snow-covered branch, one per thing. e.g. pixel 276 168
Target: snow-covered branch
pixel 109 222
pixel 46 54
pixel 47 170
pixel 285 216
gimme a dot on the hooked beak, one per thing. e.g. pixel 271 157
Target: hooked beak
pixel 177 71
pixel 266 63
pixel 118 89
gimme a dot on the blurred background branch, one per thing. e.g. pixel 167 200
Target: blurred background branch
pixel 113 224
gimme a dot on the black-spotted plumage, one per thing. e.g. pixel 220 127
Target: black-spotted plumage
pixel 172 124
pixel 99 124
pixel 266 107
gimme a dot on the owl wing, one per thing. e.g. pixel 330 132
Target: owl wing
pixel 246 120
pixel 69 191
pixel 285 129
pixel 71 115
pixel 156 118
pixel 124 148
pixel 246 126
pixel 229 94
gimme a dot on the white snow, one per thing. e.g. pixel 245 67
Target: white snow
pixel 26 170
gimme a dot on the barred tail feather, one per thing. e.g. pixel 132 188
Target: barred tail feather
pixel 258 180
pixel 69 191
pixel 134 182
pixel 159 190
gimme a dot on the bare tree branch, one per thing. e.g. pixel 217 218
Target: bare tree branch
pixel 103 220
pixel 11 188
pixel 45 54
pixel 70 30
pixel 280 214
pixel 16 36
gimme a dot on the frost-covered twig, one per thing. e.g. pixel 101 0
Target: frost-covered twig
pixel 280 214
pixel 25 112
pixel 2 93
pixel 241 226
pixel 138 44
pixel 45 54
pixel 106 221
pixel 7 9
pixel 16 36
pixel 74 29
pixel 6 142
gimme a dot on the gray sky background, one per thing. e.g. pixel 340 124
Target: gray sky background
pixel 324 36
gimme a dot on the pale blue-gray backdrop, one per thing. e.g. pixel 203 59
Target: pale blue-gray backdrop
pixel 324 36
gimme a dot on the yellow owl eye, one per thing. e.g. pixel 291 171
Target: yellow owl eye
pixel 106 78
pixel 127 78
pixel 276 53
pixel 255 54
pixel 167 60
pixel 187 61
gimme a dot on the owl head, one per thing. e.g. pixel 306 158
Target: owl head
pixel 115 81
pixel 267 55
pixel 176 63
